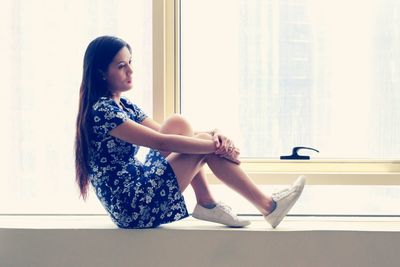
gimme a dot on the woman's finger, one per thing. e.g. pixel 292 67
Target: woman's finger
pixel 232 158
pixel 216 141
pixel 222 148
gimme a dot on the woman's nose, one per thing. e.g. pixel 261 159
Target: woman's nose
pixel 130 70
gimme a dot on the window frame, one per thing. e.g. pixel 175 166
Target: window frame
pixel 166 101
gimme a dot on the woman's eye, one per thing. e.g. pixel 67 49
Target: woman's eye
pixel 121 66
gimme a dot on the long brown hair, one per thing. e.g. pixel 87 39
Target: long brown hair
pixel 98 56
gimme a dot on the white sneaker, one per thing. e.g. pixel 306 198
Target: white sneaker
pixel 221 213
pixel 285 199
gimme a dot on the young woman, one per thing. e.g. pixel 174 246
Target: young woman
pixel 110 129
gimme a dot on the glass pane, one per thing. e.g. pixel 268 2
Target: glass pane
pixel 42 48
pixel 274 75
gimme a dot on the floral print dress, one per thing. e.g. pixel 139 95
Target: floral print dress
pixel 135 194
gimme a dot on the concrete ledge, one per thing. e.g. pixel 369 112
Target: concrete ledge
pixel 57 241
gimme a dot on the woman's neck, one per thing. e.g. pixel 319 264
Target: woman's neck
pixel 116 97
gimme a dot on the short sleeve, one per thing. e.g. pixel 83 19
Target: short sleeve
pixel 106 116
pixel 138 114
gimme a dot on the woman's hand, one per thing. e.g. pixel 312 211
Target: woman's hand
pixel 225 147
pixel 233 156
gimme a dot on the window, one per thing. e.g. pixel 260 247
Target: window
pixel 280 74
pixel 42 46
pixel 42 51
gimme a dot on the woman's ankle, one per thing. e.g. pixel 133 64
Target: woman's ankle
pixel 269 208
pixel 208 204
pixel 272 206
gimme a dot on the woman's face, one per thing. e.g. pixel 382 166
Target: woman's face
pixel 119 73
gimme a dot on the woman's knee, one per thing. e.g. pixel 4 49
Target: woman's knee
pixel 177 124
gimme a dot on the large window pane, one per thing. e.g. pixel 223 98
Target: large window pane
pixel 279 74
pixel 42 47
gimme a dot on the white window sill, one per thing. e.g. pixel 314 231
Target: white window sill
pixel 64 241
pixel 290 223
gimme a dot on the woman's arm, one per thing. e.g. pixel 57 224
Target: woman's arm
pixel 221 142
pixel 152 124
pixel 144 135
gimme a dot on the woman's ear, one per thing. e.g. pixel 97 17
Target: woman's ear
pixel 102 74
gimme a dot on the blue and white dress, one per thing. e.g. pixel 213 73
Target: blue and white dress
pixel 135 194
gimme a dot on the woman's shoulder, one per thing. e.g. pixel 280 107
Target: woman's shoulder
pixel 103 101
pixel 126 101
pixel 136 110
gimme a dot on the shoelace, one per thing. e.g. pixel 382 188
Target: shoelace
pixel 227 209
pixel 283 193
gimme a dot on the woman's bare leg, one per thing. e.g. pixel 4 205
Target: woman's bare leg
pixel 202 190
pixel 233 176
pixel 178 125
pixel 186 166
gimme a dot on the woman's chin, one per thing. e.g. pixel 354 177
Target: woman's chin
pixel 127 88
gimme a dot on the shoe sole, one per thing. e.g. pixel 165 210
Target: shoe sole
pixel 207 219
pixel 241 225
